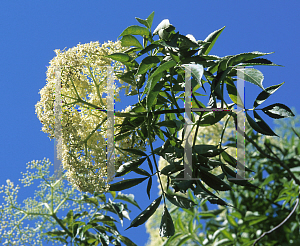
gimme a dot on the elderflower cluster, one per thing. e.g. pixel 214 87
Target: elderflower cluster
pixel 54 193
pixel 84 128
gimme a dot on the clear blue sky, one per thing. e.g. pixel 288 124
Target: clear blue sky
pixel 32 30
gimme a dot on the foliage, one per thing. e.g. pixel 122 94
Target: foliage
pixel 86 222
pixel 256 211
pixel 159 81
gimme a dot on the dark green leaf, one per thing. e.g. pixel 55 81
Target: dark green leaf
pixel 147 63
pixel 152 94
pixel 149 185
pixel 167 228
pixel 122 136
pixel 129 166
pixel 129 40
pixel 128 198
pixel 167 123
pixel 135 30
pixel 259 61
pixel 146 214
pixel 263 125
pixel 231 160
pixel 255 126
pixel 126 184
pixel 277 111
pixel 172 168
pixel 141 172
pixel 265 94
pixel 180 201
pixel 211 39
pixel 213 181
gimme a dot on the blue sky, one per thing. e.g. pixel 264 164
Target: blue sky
pixel 32 30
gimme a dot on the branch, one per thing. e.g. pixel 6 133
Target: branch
pixel 276 227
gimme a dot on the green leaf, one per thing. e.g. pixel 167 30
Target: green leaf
pixel 128 198
pixel 255 126
pixel 153 93
pixel 232 92
pixel 277 111
pixel 143 22
pixel 163 67
pixel 129 40
pixel 263 125
pixel 265 94
pixel 212 38
pixel 126 184
pixel 126 240
pixel 129 166
pixel 231 161
pixel 234 60
pixel 149 185
pixel 167 228
pixel 167 123
pixel 141 172
pixel 213 181
pixel 120 57
pixel 147 63
pixel 135 30
pixel 252 75
pixel 180 201
pixel 135 152
pixel 146 214
pixel 259 61
pixel 98 217
pixel 122 135
pixel 150 19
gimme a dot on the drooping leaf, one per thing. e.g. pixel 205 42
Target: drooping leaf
pixel 277 111
pixel 129 166
pixel 211 39
pixel 126 184
pixel 255 126
pixel 180 201
pixel 265 94
pixel 135 30
pixel 146 214
pixel 167 228
pixel 141 172
pixel 263 125
pixel 128 198
pixel 129 40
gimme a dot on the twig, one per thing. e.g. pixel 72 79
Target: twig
pixel 276 227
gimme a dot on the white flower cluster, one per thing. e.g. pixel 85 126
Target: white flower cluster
pixel 51 195
pixel 83 82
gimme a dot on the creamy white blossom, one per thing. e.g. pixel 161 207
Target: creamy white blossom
pixel 84 80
